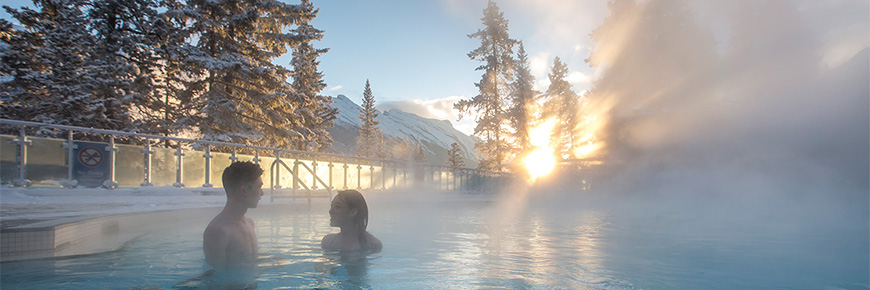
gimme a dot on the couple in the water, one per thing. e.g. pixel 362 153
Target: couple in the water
pixel 229 241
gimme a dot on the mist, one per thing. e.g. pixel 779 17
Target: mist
pixel 735 94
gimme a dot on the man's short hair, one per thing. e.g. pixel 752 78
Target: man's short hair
pixel 240 173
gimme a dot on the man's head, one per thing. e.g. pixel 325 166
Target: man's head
pixel 242 183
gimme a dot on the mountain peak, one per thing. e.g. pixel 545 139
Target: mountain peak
pixel 435 136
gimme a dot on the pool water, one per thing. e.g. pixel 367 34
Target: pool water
pixel 469 243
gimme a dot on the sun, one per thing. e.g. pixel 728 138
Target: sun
pixel 540 162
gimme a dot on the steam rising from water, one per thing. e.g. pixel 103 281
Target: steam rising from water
pixel 736 96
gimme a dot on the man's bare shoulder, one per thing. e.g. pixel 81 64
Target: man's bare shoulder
pixel 218 227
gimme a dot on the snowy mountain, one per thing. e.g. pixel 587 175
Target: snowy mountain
pixel 434 135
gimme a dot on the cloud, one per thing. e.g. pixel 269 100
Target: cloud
pixel 577 78
pixel 439 109
pixel 335 88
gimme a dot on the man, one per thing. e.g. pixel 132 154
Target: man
pixel 229 240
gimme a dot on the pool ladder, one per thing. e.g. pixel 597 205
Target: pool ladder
pixel 275 181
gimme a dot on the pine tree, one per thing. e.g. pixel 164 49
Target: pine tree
pixel 128 67
pixel 420 156
pixel 313 109
pixel 169 34
pixel 56 70
pixel 238 94
pixel 402 151
pixel 454 156
pixel 495 52
pixel 371 140
pixel 522 101
pixel 563 104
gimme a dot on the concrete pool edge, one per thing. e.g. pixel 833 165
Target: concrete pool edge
pixel 85 236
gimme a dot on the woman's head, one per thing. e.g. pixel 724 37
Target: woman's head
pixel 349 208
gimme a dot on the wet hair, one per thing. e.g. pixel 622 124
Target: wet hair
pixel 240 173
pixel 355 200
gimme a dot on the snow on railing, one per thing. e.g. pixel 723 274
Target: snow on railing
pixel 95 164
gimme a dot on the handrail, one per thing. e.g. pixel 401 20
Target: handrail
pixel 219 143
pixel 275 181
pixel 462 178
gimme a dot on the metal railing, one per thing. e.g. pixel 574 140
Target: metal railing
pixel 312 172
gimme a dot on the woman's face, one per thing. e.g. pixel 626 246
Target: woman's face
pixel 339 212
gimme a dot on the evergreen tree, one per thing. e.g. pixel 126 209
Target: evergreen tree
pixel 563 104
pixel 402 151
pixel 169 34
pixel 237 93
pixel 371 140
pixel 128 69
pixel 56 70
pixel 420 157
pixel 495 52
pixel 522 100
pixel 454 156
pixel 313 109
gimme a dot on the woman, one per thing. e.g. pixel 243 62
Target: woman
pixel 350 213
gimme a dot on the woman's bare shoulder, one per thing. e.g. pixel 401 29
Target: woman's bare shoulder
pixel 327 239
pixel 374 243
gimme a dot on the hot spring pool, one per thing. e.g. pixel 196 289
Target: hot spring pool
pixel 478 244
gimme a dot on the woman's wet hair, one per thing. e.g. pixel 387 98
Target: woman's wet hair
pixel 240 173
pixel 355 200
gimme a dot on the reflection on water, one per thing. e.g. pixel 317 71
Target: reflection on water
pixel 475 244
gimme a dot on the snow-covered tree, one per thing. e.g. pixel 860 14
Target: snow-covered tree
pixel 313 109
pixel 454 156
pixel 523 97
pixel 237 93
pixel 563 104
pixel 127 64
pixel 54 71
pixel 370 143
pixel 420 155
pixel 496 54
pixel 402 151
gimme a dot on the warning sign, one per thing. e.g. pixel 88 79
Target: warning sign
pixel 91 167
pixel 91 157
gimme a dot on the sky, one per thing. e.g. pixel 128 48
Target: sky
pixel 414 53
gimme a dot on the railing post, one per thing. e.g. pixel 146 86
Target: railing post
pixel 207 157
pixel 70 147
pixel 463 181
pixel 359 176
pixel 345 175
pixel 314 173
pixel 179 166
pixel 295 175
pixel 256 159
pixel 371 177
pixel 22 143
pixel 110 183
pixel 277 177
pixel 331 187
pixel 233 157
pixel 147 152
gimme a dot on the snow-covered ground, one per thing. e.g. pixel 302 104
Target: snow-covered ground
pixel 28 206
